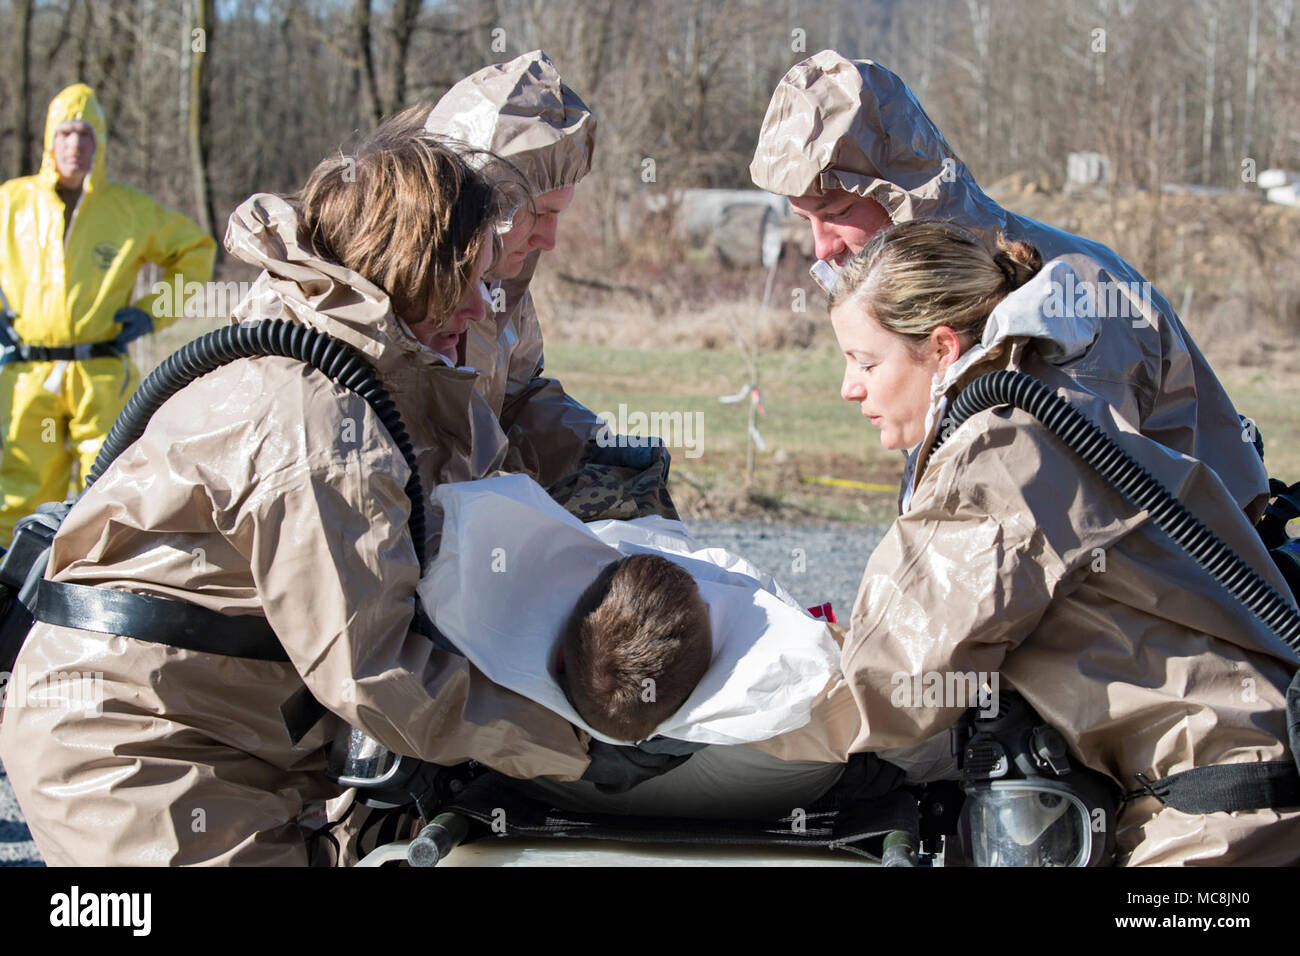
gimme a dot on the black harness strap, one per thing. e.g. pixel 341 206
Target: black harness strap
pixel 66 353
pixel 158 620
pixel 176 624
pixel 1273 784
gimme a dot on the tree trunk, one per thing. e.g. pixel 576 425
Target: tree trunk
pixel 24 160
pixel 1252 69
pixel 1207 122
pixel 405 15
pixel 199 125
pixel 361 27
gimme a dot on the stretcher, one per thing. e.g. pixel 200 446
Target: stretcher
pixel 481 819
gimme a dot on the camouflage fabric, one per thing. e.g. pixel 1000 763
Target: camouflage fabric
pixel 598 491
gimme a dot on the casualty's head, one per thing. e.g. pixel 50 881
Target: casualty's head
pixel 637 644
pixel 410 214
pixel 908 306
pixel 522 112
pixel 74 129
pixel 847 141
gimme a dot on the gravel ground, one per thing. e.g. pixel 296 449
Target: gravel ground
pixel 16 846
pixel 815 564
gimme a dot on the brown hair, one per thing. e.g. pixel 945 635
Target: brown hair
pixel 916 276
pixel 404 211
pixel 636 646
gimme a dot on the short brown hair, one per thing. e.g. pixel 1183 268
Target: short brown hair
pixel 916 276
pixel 636 646
pixel 404 211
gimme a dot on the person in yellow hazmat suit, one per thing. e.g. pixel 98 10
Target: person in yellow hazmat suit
pixel 71 243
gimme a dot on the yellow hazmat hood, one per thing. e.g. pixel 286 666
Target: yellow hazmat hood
pixel 76 102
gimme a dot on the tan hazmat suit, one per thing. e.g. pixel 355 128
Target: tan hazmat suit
pixel 835 123
pixel 262 489
pixel 1011 556
pixel 522 112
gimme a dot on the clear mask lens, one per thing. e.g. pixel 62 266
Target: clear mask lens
pixel 1028 824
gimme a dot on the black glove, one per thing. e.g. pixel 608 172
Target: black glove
pixel 626 451
pixel 617 769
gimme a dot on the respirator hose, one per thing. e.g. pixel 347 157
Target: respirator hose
pixel 1138 487
pixel 337 360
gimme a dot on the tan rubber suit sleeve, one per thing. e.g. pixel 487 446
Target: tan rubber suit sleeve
pixel 548 429
pixel 331 555
pixel 997 528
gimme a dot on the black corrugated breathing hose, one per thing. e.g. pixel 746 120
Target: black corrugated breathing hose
pixel 1138 487
pixel 337 360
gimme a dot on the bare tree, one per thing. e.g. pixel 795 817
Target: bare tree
pixel 23 146
pixel 199 118
pixel 406 13
pixel 361 26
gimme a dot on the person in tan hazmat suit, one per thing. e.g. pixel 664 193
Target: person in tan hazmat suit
pixel 263 489
pixel 522 112
pixel 1010 559
pixel 849 143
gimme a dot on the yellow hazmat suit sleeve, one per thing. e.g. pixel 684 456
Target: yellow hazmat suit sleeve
pixel 185 254
pixel 65 290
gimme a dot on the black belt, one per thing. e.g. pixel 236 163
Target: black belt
pixel 176 624
pixel 65 353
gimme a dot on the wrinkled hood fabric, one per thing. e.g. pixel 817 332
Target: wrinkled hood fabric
pixel 522 112
pixel 455 440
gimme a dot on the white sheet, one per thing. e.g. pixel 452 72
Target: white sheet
pixel 513 564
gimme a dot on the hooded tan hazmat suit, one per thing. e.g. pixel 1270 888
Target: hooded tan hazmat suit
pixel 836 123
pixel 262 488
pixel 522 112
pixel 1010 556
